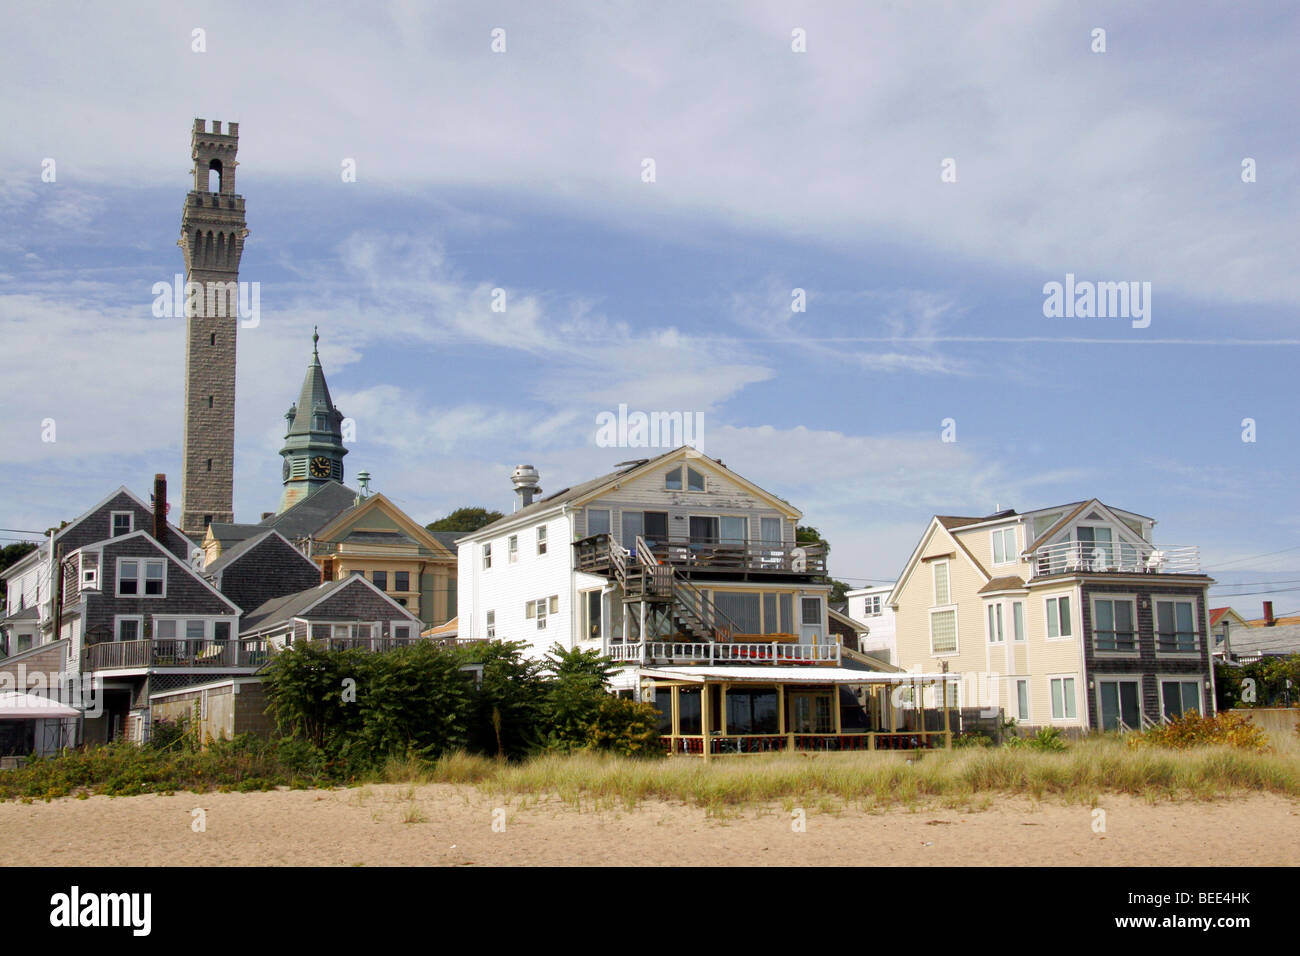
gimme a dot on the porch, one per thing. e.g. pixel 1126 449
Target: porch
pixel 183 654
pixel 722 711
pixel 1123 557
pixel 707 554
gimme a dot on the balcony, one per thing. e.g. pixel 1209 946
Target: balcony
pixel 1120 557
pixel 175 654
pixel 695 554
pixel 723 652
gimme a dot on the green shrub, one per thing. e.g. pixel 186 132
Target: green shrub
pixel 1193 730
pixel 1047 739
pixel 626 727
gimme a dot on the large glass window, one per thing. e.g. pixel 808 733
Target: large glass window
pixel 673 480
pixel 1058 616
pixel 770 530
pixel 743 608
pixel 694 480
pixel 704 529
pixel 590 616
pixel 1112 627
pixel 1095 543
pixel 597 521
pixel 735 530
pixel 655 527
pixel 752 712
pixel 1180 697
pixel 1063 704
pixel 633 525
pixel 688 710
pixel 1119 702
pixel 1175 627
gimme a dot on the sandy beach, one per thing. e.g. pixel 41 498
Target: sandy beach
pixel 451 825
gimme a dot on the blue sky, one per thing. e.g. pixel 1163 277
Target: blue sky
pixel 775 170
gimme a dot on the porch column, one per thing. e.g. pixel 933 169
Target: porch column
pixel 675 728
pixel 947 721
pixel 835 705
pixel 722 709
pixel 780 716
pixel 889 701
pixel 704 718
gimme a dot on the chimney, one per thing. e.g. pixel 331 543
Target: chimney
pixel 525 479
pixel 1269 620
pixel 160 507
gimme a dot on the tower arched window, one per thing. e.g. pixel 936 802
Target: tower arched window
pixel 214 176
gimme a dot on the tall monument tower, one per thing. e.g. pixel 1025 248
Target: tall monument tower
pixel 212 240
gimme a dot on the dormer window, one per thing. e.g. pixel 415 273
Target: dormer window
pixel 1004 546
pixel 694 480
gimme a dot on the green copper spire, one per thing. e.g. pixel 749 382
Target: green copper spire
pixel 313 444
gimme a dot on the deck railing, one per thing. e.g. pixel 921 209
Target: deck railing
pixel 1117 556
pixel 729 652
pixel 726 744
pixel 709 554
pixel 125 655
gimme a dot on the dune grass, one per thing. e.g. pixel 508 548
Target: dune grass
pixel 964 778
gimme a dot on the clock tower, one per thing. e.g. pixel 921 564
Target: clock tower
pixel 313 444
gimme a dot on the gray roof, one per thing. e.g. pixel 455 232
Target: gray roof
pixel 570 493
pixel 448 538
pixel 26 614
pixel 312 513
pixel 232 554
pixel 1281 639
pixel 228 533
pixel 291 605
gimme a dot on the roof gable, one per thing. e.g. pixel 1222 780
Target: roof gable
pixel 183 565
pixel 346 520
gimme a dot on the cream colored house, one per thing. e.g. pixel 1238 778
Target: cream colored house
pixel 1067 616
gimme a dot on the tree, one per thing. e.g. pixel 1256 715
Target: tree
pixel 12 554
pixel 806 534
pixel 465 519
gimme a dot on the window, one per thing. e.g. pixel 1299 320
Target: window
pixel 541 614
pixel 164 630
pixel 655 527
pixel 871 605
pixel 742 607
pixel 633 525
pixel 1058 616
pixel 769 530
pixel 221 630
pixel 673 480
pixel 487 556
pixel 703 529
pixel 1004 546
pixel 752 712
pixel 942 593
pixel 512 549
pixel 1095 547
pixel 597 521
pixel 1063 707
pixel 123 523
pixel 401 632
pixel 209 406
pixel 943 632
pixel 1180 697
pixel 541 540
pixel 1112 626
pixel 694 480
pixel 401 580
pixel 381 580
pixel 128 577
pixel 591 602
pixel 1175 627
pixel 538 609
pixel 1018 619
pixel 1022 700
pixel 212 339
pixel 209 464
pixel 735 530
pixel 491 625
pixel 1119 704
pixel 810 610
pixel 128 629
pixel 194 630
pixel 995 624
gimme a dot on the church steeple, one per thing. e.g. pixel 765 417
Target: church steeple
pixel 313 443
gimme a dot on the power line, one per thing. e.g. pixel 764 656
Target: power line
pixel 1251 557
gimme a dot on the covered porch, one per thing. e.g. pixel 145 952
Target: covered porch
pixel 717 711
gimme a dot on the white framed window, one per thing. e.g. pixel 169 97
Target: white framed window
pixel 122 522
pixel 1057 610
pixel 1064 706
pixel 128 627
pixel 871 605
pixel 942 588
pixel 89 561
pixel 943 632
pixel 1176 627
pixel 1022 699
pixel 164 629
pixel 673 479
pixel 1114 625
pixel 1119 703
pixel 541 539
pixel 491 623
pixel 1004 546
pixel 591 603
pixel 597 521
pixel 1018 619
pixel 401 631
pixel 142 577
pixel 694 480
pixel 541 614
pixel 487 556
pixel 996 635
pixel 512 549
pixel 1179 697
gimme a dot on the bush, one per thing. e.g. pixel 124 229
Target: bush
pixel 626 727
pixel 972 738
pixel 1193 730
pixel 1046 739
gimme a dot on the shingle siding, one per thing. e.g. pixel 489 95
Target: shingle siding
pixel 270 569
pixel 184 594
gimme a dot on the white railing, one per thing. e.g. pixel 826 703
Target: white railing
pixel 727 652
pixel 1122 556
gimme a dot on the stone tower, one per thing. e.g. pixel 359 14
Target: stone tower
pixel 212 240
pixel 313 443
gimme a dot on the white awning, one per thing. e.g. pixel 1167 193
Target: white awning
pixel 745 673
pixel 18 706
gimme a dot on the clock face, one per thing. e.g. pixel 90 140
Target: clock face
pixel 320 467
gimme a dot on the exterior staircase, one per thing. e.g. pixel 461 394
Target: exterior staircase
pixel 644 578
